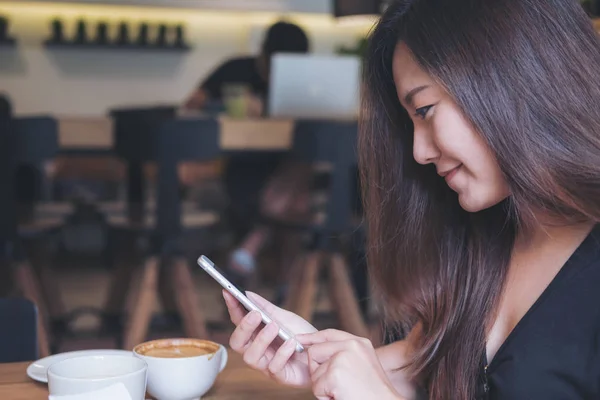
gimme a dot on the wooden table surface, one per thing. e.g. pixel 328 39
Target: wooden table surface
pixel 237 381
pixel 95 133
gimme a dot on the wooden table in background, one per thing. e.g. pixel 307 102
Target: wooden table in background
pixel 237 381
pixel 87 146
pixel 95 134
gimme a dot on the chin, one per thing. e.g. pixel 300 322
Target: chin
pixel 473 205
pixel 469 206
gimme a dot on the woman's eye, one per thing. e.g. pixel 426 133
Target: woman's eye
pixel 422 112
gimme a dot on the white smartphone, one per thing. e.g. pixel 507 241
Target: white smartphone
pixel 207 265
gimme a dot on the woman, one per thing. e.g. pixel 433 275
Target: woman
pixel 480 154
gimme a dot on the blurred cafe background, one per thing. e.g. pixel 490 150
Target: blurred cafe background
pixel 138 135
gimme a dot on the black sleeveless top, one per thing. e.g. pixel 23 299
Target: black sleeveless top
pixel 554 351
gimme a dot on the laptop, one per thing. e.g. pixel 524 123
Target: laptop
pixel 312 86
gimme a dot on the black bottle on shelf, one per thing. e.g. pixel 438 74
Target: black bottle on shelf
pixel 161 37
pixel 3 29
pixel 102 34
pixel 123 35
pixel 58 35
pixel 180 36
pixel 81 32
pixel 143 35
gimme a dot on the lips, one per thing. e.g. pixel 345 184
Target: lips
pixel 450 173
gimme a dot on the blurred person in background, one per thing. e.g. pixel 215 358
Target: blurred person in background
pixel 251 71
pixel 246 175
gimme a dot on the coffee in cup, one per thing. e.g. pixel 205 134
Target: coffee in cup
pixel 181 368
pixel 182 349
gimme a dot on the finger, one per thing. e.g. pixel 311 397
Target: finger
pixel 281 357
pixel 236 310
pixel 322 385
pixel 317 375
pixel 293 322
pixel 312 365
pixel 229 299
pixel 263 303
pixel 242 335
pixel 255 354
pixel 321 353
pixel 327 335
pixel 277 314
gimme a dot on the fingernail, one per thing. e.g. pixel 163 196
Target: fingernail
pixel 250 295
pixel 254 317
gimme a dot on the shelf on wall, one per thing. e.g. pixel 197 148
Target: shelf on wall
pixel 277 6
pixel 115 47
pixel 8 42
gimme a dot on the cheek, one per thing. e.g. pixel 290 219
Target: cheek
pixel 458 141
pixel 487 172
pixel 455 138
pixel 482 184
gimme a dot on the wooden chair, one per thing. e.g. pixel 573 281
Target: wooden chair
pixel 333 143
pixel 153 137
pixel 19 333
pixel 29 141
pixel 123 251
pixel 41 219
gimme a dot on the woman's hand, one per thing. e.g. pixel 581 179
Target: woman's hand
pixel 345 367
pixel 262 349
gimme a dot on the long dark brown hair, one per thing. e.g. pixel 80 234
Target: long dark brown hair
pixel 526 75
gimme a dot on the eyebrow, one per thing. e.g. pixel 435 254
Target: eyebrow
pixel 408 98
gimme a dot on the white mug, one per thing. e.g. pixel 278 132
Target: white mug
pixel 85 374
pixel 182 378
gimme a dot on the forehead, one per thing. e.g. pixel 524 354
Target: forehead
pixel 407 72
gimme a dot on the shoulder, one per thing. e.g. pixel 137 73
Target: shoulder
pixel 588 253
pixel 235 69
pixel 239 62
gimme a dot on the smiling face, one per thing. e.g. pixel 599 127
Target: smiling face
pixel 444 137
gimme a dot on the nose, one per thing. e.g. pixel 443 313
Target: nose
pixel 425 150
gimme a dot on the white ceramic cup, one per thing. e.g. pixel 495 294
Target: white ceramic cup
pixel 182 378
pixel 90 373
